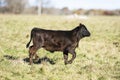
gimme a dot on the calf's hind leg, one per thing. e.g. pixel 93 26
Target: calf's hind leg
pixel 36 57
pixel 32 52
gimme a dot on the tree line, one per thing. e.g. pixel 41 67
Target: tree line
pixel 23 7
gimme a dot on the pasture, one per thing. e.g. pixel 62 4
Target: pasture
pixel 98 56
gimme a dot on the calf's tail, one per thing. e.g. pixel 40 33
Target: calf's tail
pixel 31 36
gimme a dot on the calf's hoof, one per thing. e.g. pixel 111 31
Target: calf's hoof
pixel 66 63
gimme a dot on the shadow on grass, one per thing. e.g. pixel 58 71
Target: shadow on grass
pixel 9 57
pixel 40 60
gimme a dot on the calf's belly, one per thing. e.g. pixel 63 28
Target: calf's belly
pixel 53 48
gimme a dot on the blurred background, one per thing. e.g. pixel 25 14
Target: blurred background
pixel 98 56
pixel 60 7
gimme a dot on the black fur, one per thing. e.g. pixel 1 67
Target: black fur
pixel 56 40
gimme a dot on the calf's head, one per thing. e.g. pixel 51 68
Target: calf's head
pixel 84 31
pixel 81 31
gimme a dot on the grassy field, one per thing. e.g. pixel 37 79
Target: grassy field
pixel 98 57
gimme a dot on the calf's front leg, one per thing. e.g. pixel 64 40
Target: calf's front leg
pixel 73 56
pixel 65 54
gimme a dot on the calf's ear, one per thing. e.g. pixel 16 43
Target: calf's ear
pixel 80 24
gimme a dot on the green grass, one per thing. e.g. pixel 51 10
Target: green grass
pixel 98 57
